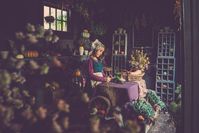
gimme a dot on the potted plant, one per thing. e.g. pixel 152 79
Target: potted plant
pixel 85 40
pixel 139 63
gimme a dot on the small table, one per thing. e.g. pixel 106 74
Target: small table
pixel 125 92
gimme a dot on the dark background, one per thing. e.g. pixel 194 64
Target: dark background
pixel 15 14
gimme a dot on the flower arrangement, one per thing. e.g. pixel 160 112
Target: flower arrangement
pixel 139 60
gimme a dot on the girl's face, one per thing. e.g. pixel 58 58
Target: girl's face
pixel 99 52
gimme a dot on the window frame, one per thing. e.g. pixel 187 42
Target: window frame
pixel 64 22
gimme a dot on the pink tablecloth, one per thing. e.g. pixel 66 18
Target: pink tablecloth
pixel 131 87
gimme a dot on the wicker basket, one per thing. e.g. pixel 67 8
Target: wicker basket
pixel 101 103
pixel 135 76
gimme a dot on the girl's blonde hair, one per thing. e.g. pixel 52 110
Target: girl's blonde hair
pixel 96 45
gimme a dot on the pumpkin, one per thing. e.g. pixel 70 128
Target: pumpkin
pixel 77 73
pixel 31 53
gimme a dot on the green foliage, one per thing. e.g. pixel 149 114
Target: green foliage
pixel 14 94
pixel 33 36
pixel 5 78
pixel 178 93
pixel 144 108
pixel 175 107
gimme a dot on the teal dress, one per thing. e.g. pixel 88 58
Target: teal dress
pixel 97 66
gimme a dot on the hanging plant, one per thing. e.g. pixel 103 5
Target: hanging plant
pixel 177 13
pixel 98 29
pixel 49 19
pixel 83 11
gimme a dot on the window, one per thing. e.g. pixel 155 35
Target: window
pixel 60 23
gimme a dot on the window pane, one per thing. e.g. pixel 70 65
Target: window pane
pixel 61 17
pixel 64 15
pixel 59 14
pixel 46 11
pixel 46 25
pixel 65 26
pixel 52 12
pixel 59 23
pixel 53 26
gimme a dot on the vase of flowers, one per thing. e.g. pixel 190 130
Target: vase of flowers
pixel 139 63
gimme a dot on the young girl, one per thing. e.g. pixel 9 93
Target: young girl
pixel 96 65
pixel 97 75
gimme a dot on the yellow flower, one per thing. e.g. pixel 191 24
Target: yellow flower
pixel 139 60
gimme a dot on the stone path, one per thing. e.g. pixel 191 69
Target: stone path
pixel 163 124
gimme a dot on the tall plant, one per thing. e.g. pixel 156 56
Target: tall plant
pixel 175 107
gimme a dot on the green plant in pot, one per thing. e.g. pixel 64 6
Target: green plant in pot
pixel 85 40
